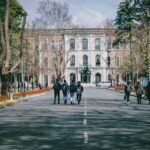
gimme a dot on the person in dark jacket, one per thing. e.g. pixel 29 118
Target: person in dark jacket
pixel 57 88
pixel 148 92
pixel 73 89
pixel 127 91
pixel 65 91
pixel 79 92
pixel 138 90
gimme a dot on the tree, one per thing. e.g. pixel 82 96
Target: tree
pixel 10 22
pixel 55 16
pixel 125 23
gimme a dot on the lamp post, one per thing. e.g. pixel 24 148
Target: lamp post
pixel 109 62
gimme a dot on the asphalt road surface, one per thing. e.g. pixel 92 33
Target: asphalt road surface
pixel 103 121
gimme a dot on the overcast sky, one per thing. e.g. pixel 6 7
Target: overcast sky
pixel 87 13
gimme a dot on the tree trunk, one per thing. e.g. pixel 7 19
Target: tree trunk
pixel 5 89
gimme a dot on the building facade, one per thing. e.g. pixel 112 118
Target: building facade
pixel 93 58
pixel 90 56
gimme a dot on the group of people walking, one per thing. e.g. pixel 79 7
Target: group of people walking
pixel 138 91
pixel 72 92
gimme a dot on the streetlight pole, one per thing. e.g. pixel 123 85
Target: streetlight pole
pixel 109 63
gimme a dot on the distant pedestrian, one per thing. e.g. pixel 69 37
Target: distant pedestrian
pixel 127 91
pixel 57 88
pixel 148 92
pixel 40 87
pixel 73 89
pixel 79 92
pixel 65 91
pixel 138 90
pixel 46 85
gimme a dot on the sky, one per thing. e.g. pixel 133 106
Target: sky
pixel 85 13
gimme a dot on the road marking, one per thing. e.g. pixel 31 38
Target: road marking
pixel 85 112
pixel 85 122
pixel 85 137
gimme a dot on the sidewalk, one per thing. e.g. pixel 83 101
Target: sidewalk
pixel 9 102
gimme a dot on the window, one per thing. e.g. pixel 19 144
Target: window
pixel 85 44
pixel 117 61
pixel 97 43
pixel 85 60
pixel 72 60
pixel 53 79
pixel 72 77
pixel 52 45
pixel 45 62
pixel 109 46
pixel 98 62
pixel 44 45
pixel 109 77
pixel 72 44
pixel 60 45
pixel 97 77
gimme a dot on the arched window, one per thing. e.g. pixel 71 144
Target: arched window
pixel 45 80
pixel 117 61
pixel 72 44
pixel 98 61
pixel 72 60
pixel 97 43
pixel 72 77
pixel 53 78
pixel 46 62
pixel 109 77
pixel 85 44
pixel 109 46
pixel 97 77
pixel 52 45
pixel 85 60
pixel 44 45
pixel 60 44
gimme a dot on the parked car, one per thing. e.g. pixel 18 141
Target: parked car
pixel 104 84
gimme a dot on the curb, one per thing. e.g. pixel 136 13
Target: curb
pixel 20 100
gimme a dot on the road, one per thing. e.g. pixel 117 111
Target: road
pixel 103 120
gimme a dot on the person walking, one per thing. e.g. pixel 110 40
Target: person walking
pixel 138 90
pixel 148 92
pixel 65 91
pixel 127 91
pixel 79 92
pixel 73 90
pixel 57 88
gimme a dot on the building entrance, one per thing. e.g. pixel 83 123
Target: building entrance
pixel 85 75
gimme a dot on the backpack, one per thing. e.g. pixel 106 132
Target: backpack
pixel 128 88
pixel 79 89
pixel 139 90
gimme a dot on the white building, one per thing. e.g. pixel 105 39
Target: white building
pixel 88 53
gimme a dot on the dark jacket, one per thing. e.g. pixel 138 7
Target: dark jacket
pixel 65 88
pixel 79 89
pixel 148 91
pixel 73 88
pixel 127 88
pixel 57 87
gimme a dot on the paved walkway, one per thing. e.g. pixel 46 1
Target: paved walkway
pixel 102 121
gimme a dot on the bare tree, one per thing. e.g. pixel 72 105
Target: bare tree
pixel 55 15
